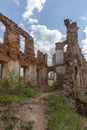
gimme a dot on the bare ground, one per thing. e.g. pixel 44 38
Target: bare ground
pixel 30 111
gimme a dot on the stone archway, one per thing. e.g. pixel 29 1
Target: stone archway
pixel 52 76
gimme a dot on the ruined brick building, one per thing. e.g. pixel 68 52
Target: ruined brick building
pixel 12 59
pixel 70 66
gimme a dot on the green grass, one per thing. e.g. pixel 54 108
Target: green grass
pixel 25 91
pixel 12 98
pixel 27 126
pixel 50 82
pixel 62 118
pixel 9 121
pixel 15 89
pixel 19 95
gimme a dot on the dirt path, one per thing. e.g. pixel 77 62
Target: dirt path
pixel 31 111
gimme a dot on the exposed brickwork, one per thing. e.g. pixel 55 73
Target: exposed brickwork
pixel 74 77
pixel 69 66
pixel 11 55
pixel 42 70
pixel 11 46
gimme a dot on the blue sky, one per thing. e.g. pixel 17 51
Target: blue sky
pixel 43 19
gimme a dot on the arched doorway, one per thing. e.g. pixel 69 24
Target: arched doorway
pixel 52 77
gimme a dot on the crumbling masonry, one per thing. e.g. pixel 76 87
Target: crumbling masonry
pixel 70 66
pixel 12 59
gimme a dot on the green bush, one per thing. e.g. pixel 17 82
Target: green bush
pixel 9 84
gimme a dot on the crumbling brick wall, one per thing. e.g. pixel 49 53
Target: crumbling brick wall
pixel 70 65
pixel 72 62
pixel 12 59
pixel 42 69
pixel 11 43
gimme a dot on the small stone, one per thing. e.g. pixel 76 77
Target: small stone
pixel 31 107
pixel 85 125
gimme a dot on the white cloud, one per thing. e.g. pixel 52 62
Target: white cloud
pixel 31 6
pixel 2 30
pixel 22 44
pixel 84 18
pixel 1 40
pixel 17 2
pixel 33 21
pixel 84 43
pixel 2 27
pixel 85 31
pixel 45 39
pixel 65 48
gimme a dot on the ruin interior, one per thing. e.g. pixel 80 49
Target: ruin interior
pixel 69 65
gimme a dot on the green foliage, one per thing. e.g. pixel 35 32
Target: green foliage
pixel 27 92
pixel 11 83
pixel 21 82
pixel 20 94
pixel 15 89
pixel 83 97
pixel 12 98
pixel 4 85
pixel 27 126
pixel 10 122
pixel 62 117
pixel 5 117
pixel 9 127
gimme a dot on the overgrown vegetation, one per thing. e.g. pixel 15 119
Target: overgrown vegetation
pixel 27 125
pixel 62 118
pixel 83 97
pixel 10 122
pixel 12 98
pixel 15 89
